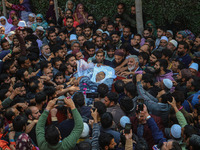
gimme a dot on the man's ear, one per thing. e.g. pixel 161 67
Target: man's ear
pixel 30 117
pixel 106 147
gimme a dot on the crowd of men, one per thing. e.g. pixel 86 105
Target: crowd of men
pixel 153 102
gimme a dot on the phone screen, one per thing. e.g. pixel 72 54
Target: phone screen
pixel 127 128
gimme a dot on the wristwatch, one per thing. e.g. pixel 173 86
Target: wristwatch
pixel 148 117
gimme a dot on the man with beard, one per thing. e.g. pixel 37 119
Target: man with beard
pixel 52 39
pixel 182 78
pixel 46 52
pixel 183 55
pixel 196 43
pixel 147 33
pixel 143 59
pixel 71 60
pixel 33 115
pixel 69 25
pixel 110 51
pixel 91 22
pixel 160 32
pixel 133 66
pixel 119 58
pixel 135 43
pixel 98 42
pixel 161 71
pixel 100 58
pixel 126 35
pixel 89 51
pixel 154 57
pixel 88 32
pixel 162 44
pixel 81 40
pixel 115 35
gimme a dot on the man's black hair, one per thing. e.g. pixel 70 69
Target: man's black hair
pixel 119 86
pixel 79 99
pixel 18 84
pixel 3 77
pixel 101 107
pixel 56 59
pixel 109 47
pixel 166 97
pixel 115 32
pixel 19 123
pixel 147 78
pixel 3 94
pixel 33 86
pixel 105 140
pixel 52 134
pixel 163 28
pixel 20 73
pixel 141 144
pixel 127 105
pixel 50 90
pixel 33 56
pixel 163 63
pixel 158 54
pixel 3 41
pixel 102 89
pixel 40 97
pixel 131 88
pixel 106 120
pixel 144 55
pixel 9 114
pixel 185 44
pixel 178 96
pixel 7 64
pixel 113 97
pixel 68 57
pixel 90 45
pixel 44 64
pixel 167 52
pixel 21 60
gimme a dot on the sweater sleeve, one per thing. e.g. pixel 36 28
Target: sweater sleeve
pixel 95 136
pixel 129 144
pixel 6 103
pixel 70 141
pixel 40 129
pixel 156 133
pixel 181 119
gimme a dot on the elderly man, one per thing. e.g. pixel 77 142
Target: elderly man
pixel 133 66
pixel 46 52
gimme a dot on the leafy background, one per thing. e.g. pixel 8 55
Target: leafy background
pixel 163 12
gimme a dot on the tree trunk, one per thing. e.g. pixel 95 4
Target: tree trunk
pixel 139 18
pixel 56 9
pixel 4 8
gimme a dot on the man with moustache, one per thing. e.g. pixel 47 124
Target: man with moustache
pixel 119 58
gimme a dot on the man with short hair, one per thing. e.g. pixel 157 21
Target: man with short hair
pixel 115 35
pixel 88 32
pixel 183 55
pixel 126 35
pixel 69 25
pixel 135 43
pixel 111 101
pixel 100 58
pixel 161 31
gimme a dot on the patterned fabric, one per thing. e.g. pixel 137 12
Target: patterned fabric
pixel 24 142
pixel 10 19
pixel 18 7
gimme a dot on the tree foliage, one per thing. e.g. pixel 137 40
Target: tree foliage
pixel 161 11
